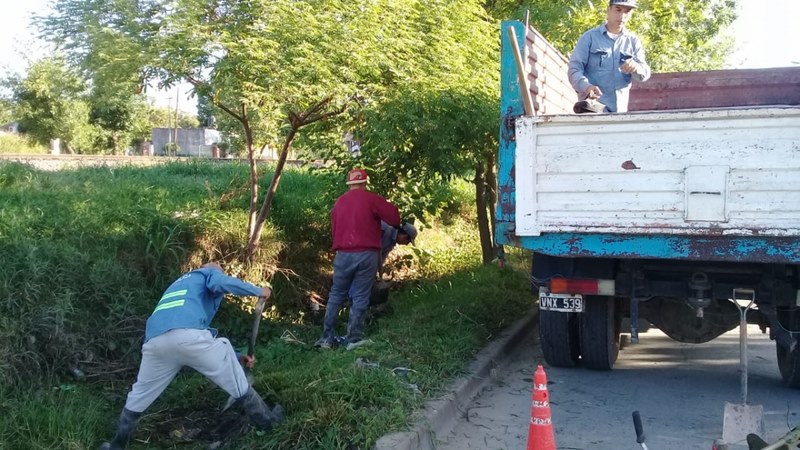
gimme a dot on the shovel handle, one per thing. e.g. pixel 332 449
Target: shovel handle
pixel 637 425
pixel 259 309
pixel 737 295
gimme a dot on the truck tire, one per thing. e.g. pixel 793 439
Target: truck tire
pixel 789 364
pixel 600 325
pixel 789 358
pixel 558 336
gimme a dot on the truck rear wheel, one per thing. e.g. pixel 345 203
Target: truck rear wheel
pixel 789 358
pixel 600 326
pixel 558 336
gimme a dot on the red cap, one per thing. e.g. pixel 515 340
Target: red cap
pixel 357 176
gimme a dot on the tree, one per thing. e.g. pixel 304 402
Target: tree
pixel 50 104
pixel 441 121
pixel 114 111
pixel 283 66
pixel 6 111
pixel 109 47
pixel 686 36
pixel 417 80
pixel 678 35
pixel 275 67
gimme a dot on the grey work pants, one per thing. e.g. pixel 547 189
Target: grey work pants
pixel 163 356
pixel 353 275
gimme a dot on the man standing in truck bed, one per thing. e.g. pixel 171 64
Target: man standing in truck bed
pixel 605 60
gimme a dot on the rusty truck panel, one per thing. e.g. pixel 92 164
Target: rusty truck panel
pixel 717 89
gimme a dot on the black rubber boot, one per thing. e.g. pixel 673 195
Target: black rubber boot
pixel 262 416
pixel 326 341
pixel 355 326
pixel 125 428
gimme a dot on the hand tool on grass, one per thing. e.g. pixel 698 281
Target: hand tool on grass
pixel 251 346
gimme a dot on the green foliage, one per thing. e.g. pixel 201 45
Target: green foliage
pixel 686 36
pixel 433 117
pixel 6 108
pixel 277 66
pixel 171 149
pixel 14 143
pixel 108 40
pixel 120 114
pixel 111 61
pixel 86 252
pixel 64 416
pixel 50 104
pixel 678 35
pixel 96 241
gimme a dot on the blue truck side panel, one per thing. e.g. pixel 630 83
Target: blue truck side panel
pixel 704 248
pixel 707 248
pixel 511 107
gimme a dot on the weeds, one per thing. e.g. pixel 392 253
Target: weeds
pixel 86 253
pixel 13 143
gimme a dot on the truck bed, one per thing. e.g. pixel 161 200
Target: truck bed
pixel 721 172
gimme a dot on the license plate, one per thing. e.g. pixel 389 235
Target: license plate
pixel 561 302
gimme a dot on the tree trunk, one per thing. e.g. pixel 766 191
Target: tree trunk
pixel 266 205
pixel 248 133
pixel 114 143
pixel 483 219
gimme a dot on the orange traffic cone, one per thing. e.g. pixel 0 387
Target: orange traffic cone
pixel 540 430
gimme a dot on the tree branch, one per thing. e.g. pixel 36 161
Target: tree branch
pixel 214 98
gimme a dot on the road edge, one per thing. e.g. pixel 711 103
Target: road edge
pixel 440 415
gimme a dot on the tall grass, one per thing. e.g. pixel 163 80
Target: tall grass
pixel 86 253
pixel 15 143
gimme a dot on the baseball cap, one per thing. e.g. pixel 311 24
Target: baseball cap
pixel 631 3
pixel 357 176
pixel 410 230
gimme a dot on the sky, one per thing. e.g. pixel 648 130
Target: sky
pixel 767 35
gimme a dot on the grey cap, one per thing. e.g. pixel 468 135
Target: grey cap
pixel 631 3
pixel 410 230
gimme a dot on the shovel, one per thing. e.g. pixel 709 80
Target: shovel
pixel 742 419
pixel 251 346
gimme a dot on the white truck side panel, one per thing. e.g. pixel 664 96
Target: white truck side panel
pixel 691 172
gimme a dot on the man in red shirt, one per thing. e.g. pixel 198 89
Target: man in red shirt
pixel 356 228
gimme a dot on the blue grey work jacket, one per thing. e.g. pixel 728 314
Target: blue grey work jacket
pixel 596 61
pixel 193 300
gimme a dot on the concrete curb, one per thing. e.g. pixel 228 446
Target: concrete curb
pixel 440 415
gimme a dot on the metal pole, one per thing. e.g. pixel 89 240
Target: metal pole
pixel 169 122
pixel 177 100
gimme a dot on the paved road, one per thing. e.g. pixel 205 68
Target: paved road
pixel 679 389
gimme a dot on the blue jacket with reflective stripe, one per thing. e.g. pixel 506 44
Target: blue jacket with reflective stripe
pixel 193 300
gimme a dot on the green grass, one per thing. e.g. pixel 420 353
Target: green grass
pixel 14 143
pixel 86 252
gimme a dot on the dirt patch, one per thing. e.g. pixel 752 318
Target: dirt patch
pixel 213 429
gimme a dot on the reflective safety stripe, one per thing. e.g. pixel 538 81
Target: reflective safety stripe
pixel 173 294
pixel 169 305
pixel 540 421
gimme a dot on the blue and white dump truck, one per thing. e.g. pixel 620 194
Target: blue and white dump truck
pixel 665 213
